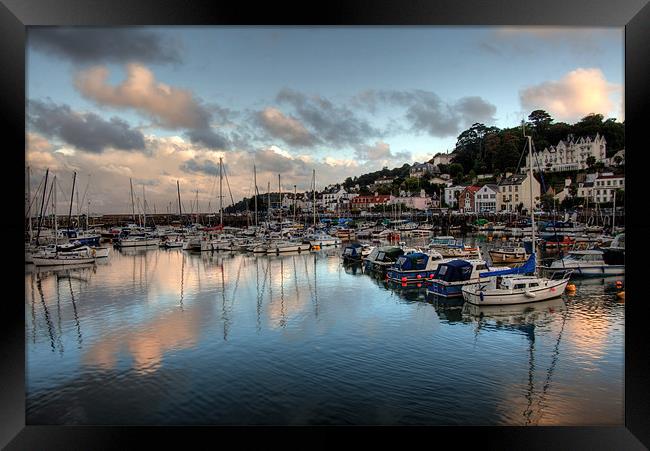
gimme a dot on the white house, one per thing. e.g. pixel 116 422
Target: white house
pixel 487 199
pixel 599 188
pixel 568 155
pixel 442 158
pixel 451 194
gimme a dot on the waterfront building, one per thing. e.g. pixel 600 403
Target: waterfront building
pixel 466 199
pixel 451 194
pixel 568 155
pixel 600 188
pixel 515 190
pixel 368 202
pixel 487 199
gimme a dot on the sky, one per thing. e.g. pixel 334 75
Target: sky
pixel 162 104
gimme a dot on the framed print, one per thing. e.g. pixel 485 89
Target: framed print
pixel 372 215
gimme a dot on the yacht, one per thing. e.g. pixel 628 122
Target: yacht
pixel 587 263
pixel 451 276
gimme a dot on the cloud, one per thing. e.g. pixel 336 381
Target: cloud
pixel 427 112
pixel 169 107
pixel 98 45
pixel 331 124
pixel 287 128
pixel 380 151
pixel 85 131
pixel 577 94
pixel 205 167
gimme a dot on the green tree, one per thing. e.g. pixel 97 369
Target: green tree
pixel 591 161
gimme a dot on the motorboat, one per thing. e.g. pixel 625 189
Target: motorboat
pixel 414 267
pixel 508 254
pixel 587 263
pixel 382 257
pixel 355 252
pixel 452 276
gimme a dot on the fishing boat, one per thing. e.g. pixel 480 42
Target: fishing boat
pixel 508 254
pixel 587 263
pixel 415 267
pixel 355 252
pixel 514 286
pixel 452 276
pixel 381 258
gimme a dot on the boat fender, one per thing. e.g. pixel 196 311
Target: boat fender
pixel 530 294
pixel 480 295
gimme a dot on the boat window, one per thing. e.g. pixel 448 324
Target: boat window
pixel 534 284
pixel 519 286
pixel 381 255
pixel 479 267
pixel 442 270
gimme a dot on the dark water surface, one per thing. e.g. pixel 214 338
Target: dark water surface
pixel 169 337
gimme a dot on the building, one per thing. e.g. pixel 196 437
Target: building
pixel 442 158
pixel 368 202
pixel 466 199
pixel 423 169
pixel 384 181
pixel 421 202
pixel 451 194
pixel 618 159
pixel 515 190
pixel 605 185
pixel 487 199
pixel 288 201
pixel 442 179
pixel 569 155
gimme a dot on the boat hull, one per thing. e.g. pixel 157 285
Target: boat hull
pixel 553 290
pixel 60 261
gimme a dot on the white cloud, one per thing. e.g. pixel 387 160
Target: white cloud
pixel 577 94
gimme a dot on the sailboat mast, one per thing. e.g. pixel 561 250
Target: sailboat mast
pixel 614 212
pixel 280 204
pixel 74 179
pixel 294 203
pixel 144 208
pixel 40 217
pixel 255 192
pixel 132 200
pixel 180 213
pixel 56 227
pixel 29 205
pixel 220 190
pixel 314 194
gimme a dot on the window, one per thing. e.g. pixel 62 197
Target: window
pixel 509 188
pixel 519 286
pixel 534 284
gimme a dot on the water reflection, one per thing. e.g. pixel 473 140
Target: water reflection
pixel 304 339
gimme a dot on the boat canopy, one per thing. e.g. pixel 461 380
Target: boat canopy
pixel 413 261
pixel 526 268
pixel 454 271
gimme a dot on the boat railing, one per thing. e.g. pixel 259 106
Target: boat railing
pixel 561 274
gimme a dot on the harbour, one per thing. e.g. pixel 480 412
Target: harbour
pixel 301 338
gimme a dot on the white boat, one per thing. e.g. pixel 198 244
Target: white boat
pixel 322 240
pixel 513 286
pixel 278 247
pixel 61 259
pixel 137 241
pixel 197 243
pixel 587 263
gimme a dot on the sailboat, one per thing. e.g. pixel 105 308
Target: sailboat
pixel 514 286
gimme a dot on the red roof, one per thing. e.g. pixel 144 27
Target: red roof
pixel 472 188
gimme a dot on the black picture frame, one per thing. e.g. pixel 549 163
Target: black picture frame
pixel 634 15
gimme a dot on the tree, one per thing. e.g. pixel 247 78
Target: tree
pixel 591 161
pixel 546 201
pixel 540 119
pixel 455 170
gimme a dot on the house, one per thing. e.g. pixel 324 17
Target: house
pixel 599 188
pixel 288 201
pixel 423 169
pixel 451 194
pixel 441 158
pixel 368 202
pixel 487 199
pixel 569 155
pixel 515 190
pixel 421 202
pixel 466 199
pixel 442 179
pixel 605 185
pixel 384 181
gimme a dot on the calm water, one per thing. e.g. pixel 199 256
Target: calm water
pixel 168 337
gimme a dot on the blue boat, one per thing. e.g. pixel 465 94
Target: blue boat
pixel 450 277
pixel 414 268
pixel 354 253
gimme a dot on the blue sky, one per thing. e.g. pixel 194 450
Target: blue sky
pixel 342 100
